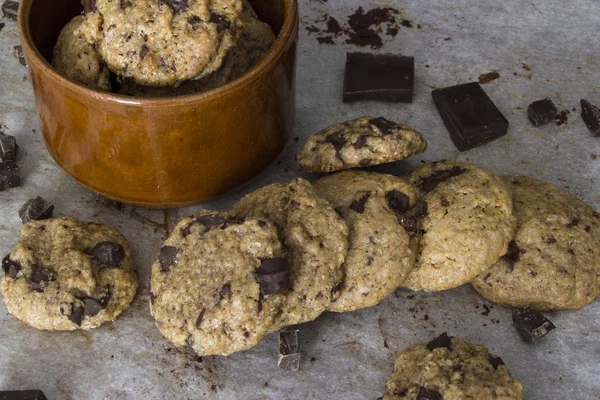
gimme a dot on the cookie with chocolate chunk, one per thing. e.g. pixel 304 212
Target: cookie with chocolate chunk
pixel 358 143
pixel 465 226
pixel 553 262
pixel 219 282
pixel 374 207
pixel 451 369
pixel 77 58
pixel 65 275
pixel 316 241
pixel 165 42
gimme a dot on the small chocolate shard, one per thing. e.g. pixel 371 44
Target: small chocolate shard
pixel 40 277
pixel 22 395
pixel 35 209
pixel 495 361
pixel 428 394
pixel 223 23
pixel 144 52
pixel 10 175
pixel 10 267
pixel 530 324
pixel 8 148
pixel 273 276
pixel 194 21
pixel 10 9
pixel 432 181
pixel 541 112
pixel 513 253
pixel 385 126
pixel 167 257
pixel 441 341
pixel 199 319
pixel 289 355
pixel 20 55
pixel 359 204
pixel 591 117
pixel 397 201
pixel 360 142
pixel 177 5
pixel 88 6
pixel 107 255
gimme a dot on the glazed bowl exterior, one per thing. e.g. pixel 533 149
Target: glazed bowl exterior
pixel 163 152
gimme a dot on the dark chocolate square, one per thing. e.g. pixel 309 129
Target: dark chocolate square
pixel 35 209
pixel 530 324
pixel 469 115
pixel 8 148
pixel 385 77
pixel 10 9
pixel 10 176
pixel 591 116
pixel 541 112
pixel 22 395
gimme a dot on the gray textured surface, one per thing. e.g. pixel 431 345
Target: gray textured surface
pixel 345 356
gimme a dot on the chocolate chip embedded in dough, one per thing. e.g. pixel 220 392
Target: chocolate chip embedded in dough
pixel 211 221
pixel 177 5
pixel 385 126
pixel 144 52
pixel 273 276
pixel 194 21
pixel 222 23
pixel 92 306
pixel 428 394
pixel 397 201
pixel 359 204
pixel 441 341
pixel 513 253
pixel 429 183
pixel 167 257
pixel 40 277
pixel 360 142
pixel 75 315
pixel 336 139
pixel 409 224
pixel 10 267
pixel 224 292
pixel 495 361
pixel 107 255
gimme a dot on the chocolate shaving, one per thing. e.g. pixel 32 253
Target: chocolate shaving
pixel 360 142
pixel 513 253
pixel 144 52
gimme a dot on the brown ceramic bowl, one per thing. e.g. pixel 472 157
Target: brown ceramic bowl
pixel 163 152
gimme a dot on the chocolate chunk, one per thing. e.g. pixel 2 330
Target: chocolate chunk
pixel 10 9
pixel 167 257
pixel 22 395
pixel 541 112
pixel 8 148
pixel 289 355
pixel 194 21
pixel 10 175
pixel 107 255
pixel 428 394
pixel 409 224
pixel 10 267
pixel 385 126
pixel 378 77
pixel 199 319
pixel 176 5
pixel 429 183
pixel 469 115
pixel 75 315
pixel 360 142
pixel 144 52
pixel 92 306
pixel 20 55
pixel 397 201
pixel 35 209
pixel 441 341
pixel 591 116
pixel 365 162
pixel 530 324
pixel 338 286
pixel 359 204
pixel 273 276
pixel 211 221
pixel 513 253
pixel 222 23
pixel 88 6
pixel 495 361
pixel 336 139
pixel 40 277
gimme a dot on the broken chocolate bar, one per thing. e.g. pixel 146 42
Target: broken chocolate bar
pixel 469 115
pixel 35 209
pixel 19 55
pixel 10 9
pixel 591 117
pixel 530 324
pixel 541 112
pixel 10 176
pixel 22 395
pixel 8 148
pixel 289 356
pixel 384 77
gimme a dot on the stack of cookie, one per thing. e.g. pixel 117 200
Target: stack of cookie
pixel 161 47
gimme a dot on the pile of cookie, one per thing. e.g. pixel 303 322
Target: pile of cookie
pixel 161 48
pixel 287 252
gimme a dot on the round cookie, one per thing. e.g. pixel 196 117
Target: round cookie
pixel 360 142
pixel 451 369
pixel 553 263
pixel 164 42
pixel 66 275
pixel 211 284
pixel 465 226
pixel 77 58
pixel 316 239
pixel 379 256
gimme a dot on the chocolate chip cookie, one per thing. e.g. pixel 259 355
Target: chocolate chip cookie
pixel 553 262
pixel 360 142
pixel 465 224
pixel 78 59
pixel 164 42
pixel 451 369
pixel 379 257
pixel 219 283
pixel 316 241
pixel 66 275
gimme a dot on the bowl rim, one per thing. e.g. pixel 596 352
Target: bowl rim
pixel 271 58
